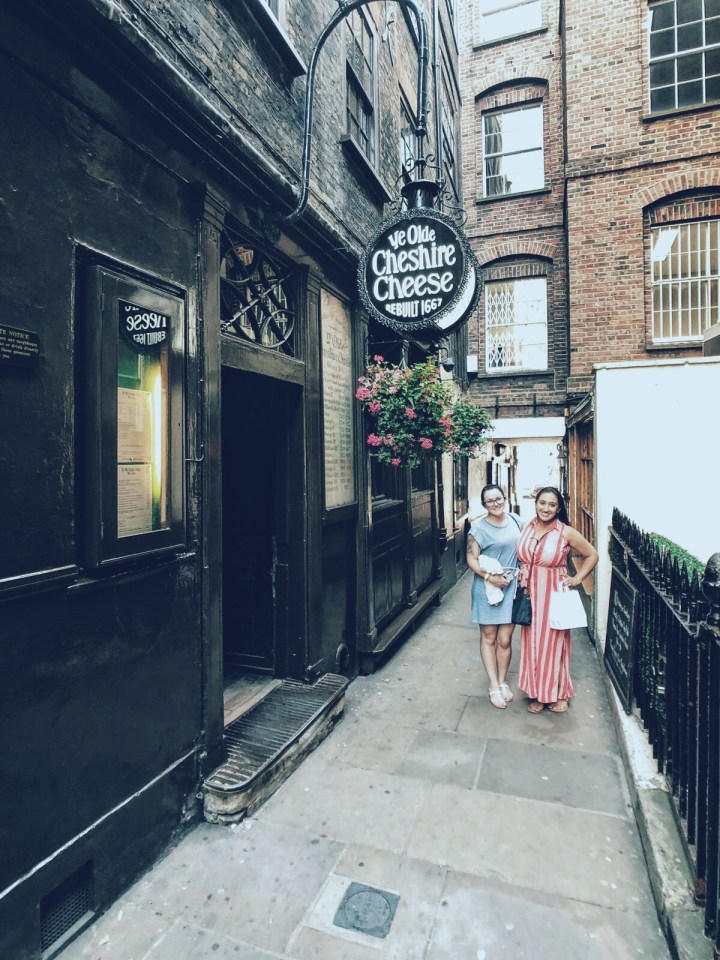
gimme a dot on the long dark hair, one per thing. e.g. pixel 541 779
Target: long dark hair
pixel 561 515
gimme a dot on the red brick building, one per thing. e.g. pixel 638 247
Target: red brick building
pixel 590 161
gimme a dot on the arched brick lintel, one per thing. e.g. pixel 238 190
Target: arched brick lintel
pixel 496 81
pixel 516 248
pixel 677 183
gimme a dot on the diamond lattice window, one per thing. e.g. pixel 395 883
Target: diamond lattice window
pixel 516 325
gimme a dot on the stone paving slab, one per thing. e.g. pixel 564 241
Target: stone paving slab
pixel 574 778
pixel 547 847
pixel 427 792
pixel 346 803
pixel 484 920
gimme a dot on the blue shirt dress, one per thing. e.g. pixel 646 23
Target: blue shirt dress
pixel 500 543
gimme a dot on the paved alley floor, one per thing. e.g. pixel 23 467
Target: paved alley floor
pixel 427 826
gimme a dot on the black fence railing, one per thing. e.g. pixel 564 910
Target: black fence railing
pixel 676 689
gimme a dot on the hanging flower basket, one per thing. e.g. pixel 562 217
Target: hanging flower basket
pixel 414 415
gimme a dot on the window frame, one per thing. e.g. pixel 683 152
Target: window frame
pixel 513 369
pixel 103 288
pixel 686 286
pixel 363 92
pixel 449 135
pixel 503 6
pixel 487 156
pixel 660 60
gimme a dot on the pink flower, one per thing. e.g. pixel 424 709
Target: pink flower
pixel 362 393
pixel 392 389
pixel 395 462
pixel 375 406
pixel 410 413
pixel 374 440
pixel 426 443
pixel 377 358
pixel 389 440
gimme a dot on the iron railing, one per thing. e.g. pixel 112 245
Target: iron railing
pixel 676 690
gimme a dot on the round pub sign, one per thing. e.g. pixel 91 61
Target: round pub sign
pixel 419 273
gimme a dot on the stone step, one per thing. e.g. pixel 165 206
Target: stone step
pixel 268 742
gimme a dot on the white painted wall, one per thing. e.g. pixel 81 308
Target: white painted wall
pixel 657 456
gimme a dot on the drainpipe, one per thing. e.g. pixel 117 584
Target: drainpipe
pixel 438 106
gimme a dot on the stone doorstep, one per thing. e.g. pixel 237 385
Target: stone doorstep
pixel 268 742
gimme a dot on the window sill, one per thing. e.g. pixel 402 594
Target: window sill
pixel 353 151
pixel 497 374
pixel 500 41
pixel 512 196
pixel 275 34
pixel 676 345
pixel 679 111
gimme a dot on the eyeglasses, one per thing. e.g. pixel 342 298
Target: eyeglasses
pixel 495 502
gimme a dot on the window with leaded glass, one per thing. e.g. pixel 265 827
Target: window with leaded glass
pixel 516 324
pixel 508 18
pixel 513 151
pixel 360 100
pixel 685 280
pixel 684 53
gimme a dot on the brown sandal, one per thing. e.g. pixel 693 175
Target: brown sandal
pixel 535 706
pixel 560 706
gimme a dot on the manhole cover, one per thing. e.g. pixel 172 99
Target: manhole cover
pixel 367 910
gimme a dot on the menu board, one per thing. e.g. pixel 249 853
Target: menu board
pixel 135 499
pixel 336 353
pixel 620 638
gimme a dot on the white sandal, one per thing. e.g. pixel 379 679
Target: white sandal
pixel 506 692
pixel 497 695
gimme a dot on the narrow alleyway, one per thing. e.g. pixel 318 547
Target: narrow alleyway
pixel 481 834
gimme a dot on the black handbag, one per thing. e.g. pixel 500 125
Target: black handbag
pixel 521 608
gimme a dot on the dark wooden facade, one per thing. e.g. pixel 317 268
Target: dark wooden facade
pixel 135 167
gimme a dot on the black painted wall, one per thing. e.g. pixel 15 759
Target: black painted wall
pixel 100 686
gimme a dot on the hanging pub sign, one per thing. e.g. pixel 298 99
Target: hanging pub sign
pixel 419 273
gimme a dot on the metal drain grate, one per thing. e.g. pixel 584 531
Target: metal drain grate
pixel 261 734
pixel 69 904
pixel 367 910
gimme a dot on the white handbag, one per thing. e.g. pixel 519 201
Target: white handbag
pixel 566 610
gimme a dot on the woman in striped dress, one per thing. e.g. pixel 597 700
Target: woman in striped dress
pixel 543 550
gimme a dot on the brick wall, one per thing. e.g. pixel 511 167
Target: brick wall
pixel 512 233
pixel 612 170
pixel 233 64
pixel 623 163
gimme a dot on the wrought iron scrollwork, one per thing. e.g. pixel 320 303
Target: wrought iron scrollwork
pixel 256 296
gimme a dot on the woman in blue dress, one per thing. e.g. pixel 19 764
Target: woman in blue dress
pixel 494 538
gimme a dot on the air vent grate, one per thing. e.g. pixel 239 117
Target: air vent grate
pixel 65 907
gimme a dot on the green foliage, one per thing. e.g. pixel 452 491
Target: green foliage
pixel 414 415
pixel 691 562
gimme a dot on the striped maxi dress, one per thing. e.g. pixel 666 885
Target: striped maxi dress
pixel 544 653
